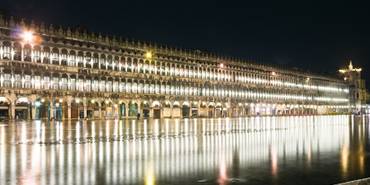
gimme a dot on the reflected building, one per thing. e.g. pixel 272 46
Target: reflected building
pixel 61 73
pixel 212 151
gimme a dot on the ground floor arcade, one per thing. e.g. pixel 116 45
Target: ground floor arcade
pixel 67 107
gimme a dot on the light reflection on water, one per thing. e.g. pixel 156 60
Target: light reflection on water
pixel 256 150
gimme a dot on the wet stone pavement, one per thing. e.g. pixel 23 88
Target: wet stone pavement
pixel 253 150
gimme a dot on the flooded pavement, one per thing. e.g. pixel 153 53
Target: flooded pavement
pixel 254 150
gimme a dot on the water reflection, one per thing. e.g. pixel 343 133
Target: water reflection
pixel 256 150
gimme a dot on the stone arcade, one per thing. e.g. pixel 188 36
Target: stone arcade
pixel 60 73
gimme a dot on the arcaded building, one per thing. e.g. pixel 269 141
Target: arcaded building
pixel 62 73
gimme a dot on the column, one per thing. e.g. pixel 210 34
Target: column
pixel 33 111
pixel 85 107
pixel 139 109
pixel 116 108
pixel 51 108
pixel 22 52
pixel 69 108
pixel 171 107
pixel 126 109
pixel 100 114
pixel 12 110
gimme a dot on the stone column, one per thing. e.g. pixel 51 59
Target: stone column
pixel 85 107
pixel 127 108
pixel 51 109
pixel 171 107
pixel 100 113
pixel 33 111
pixel 69 108
pixel 12 110
pixel 116 108
pixel 139 109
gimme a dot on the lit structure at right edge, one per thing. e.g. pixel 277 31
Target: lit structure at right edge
pixel 358 94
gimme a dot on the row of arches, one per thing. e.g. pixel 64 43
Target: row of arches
pixel 61 108
pixel 75 82
pixel 109 61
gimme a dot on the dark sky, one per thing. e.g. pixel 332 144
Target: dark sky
pixel 314 36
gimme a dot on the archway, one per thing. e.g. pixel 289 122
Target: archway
pixel 22 108
pixel 211 110
pixel 107 109
pixel 92 109
pixel 156 110
pixel 4 108
pixel 194 109
pixel 133 109
pixel 185 110
pixel 218 110
pixel 42 106
pixel 122 110
pixel 176 112
pixel 77 110
pixel 167 109
pixel 146 109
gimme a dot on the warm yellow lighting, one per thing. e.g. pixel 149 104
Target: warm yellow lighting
pixel 222 65
pixel 27 36
pixel 342 70
pixel 77 100
pixel 148 55
pixel 273 73
pixel 60 100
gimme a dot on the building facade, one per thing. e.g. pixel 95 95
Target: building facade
pixel 60 73
pixel 357 88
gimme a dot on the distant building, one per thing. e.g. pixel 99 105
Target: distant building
pixel 358 92
pixel 60 73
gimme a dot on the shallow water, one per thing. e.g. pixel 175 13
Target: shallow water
pixel 256 150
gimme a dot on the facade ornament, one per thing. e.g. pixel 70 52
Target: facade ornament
pixel 69 33
pixel 51 29
pixel 2 21
pixel 42 27
pixel 22 23
pixel 60 31
pixel 32 25
pixel 11 22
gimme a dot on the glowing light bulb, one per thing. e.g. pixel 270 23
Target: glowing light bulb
pixel 27 36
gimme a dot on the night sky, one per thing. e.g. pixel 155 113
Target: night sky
pixel 318 37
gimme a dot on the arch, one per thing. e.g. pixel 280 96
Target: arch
pixel 17 51
pixel 146 109
pixel 42 106
pixel 156 106
pixel 133 109
pixel 63 57
pixel 6 50
pixel 186 110
pixel 122 110
pixel 27 53
pixel 55 56
pixel 22 108
pixel 4 108
pixel 88 60
pixel 79 59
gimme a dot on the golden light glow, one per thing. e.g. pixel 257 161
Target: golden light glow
pixel 222 65
pixel 273 73
pixel 148 55
pixel 27 36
